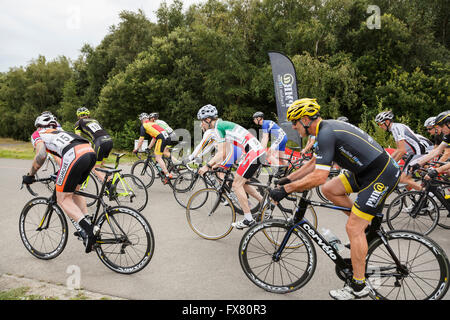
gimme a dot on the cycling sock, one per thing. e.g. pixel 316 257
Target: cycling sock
pixel 248 216
pixel 358 284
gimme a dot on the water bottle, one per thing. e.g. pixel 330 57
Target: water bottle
pixel 332 240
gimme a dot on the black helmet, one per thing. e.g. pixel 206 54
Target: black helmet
pixel 258 114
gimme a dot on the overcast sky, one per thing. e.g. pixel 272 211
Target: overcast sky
pixel 29 28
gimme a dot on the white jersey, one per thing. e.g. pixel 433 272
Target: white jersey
pixel 206 145
pixel 415 143
pixel 165 126
pixel 55 140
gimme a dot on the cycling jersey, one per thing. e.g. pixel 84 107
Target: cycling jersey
pixel 279 138
pixel 56 141
pixel 208 142
pixel 165 126
pixel 153 129
pixel 371 171
pixel 91 128
pixel 415 143
pixel 233 133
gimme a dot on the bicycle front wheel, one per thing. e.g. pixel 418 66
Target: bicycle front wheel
pixel 424 272
pixel 44 188
pixel 144 172
pixel 404 213
pixel 130 191
pixel 291 271
pixel 125 243
pixel 212 220
pixel 185 186
pixel 43 232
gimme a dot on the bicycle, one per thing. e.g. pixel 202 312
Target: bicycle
pixel 125 188
pixel 419 210
pixel 279 256
pixel 48 168
pixel 146 169
pixel 211 211
pixel 124 241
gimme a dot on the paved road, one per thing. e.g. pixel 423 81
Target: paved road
pixel 184 266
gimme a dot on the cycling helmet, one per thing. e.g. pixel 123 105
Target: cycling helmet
pixel 385 115
pixel 46 112
pixel 143 116
pixel 153 115
pixel 82 112
pixel 429 122
pixel 44 121
pixel 344 119
pixel 207 111
pixel 258 114
pixel 442 118
pixel 303 107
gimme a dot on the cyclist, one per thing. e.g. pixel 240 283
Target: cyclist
pixel 160 139
pixel 279 138
pixel 77 160
pixel 407 143
pixel 371 172
pixel 228 134
pixel 99 137
pixel 154 116
pixel 443 122
pixel 434 131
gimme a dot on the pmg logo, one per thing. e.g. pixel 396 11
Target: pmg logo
pixel 379 187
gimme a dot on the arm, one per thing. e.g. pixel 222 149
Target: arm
pixel 138 147
pixel 264 140
pixel 434 153
pixel 39 158
pixel 400 151
pixel 445 156
pixel 314 179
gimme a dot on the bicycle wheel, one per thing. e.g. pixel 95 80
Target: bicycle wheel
pixel 402 215
pixel 125 243
pixel 444 218
pixel 253 204
pixel 291 271
pixel 186 185
pixel 213 219
pixel 426 273
pixel 130 191
pixel 43 233
pixel 145 173
pixel 90 186
pixel 44 188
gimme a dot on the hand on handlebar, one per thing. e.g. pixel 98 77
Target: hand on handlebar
pixel 27 179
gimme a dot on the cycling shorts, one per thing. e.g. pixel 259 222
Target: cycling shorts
pixel 102 147
pixel 251 162
pixel 372 186
pixel 279 146
pixel 162 141
pixel 76 164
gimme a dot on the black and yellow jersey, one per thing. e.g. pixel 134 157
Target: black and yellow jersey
pixel 350 147
pixel 91 128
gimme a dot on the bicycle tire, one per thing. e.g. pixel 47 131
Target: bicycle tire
pixel 125 243
pixel 44 188
pixel 146 174
pixel 186 185
pixel 50 241
pixel 253 203
pixel 420 255
pixel 292 271
pixel 399 217
pixel 130 191
pixel 206 223
pixel 90 186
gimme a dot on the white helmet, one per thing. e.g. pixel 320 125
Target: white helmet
pixel 45 120
pixel 143 116
pixel 385 115
pixel 429 122
pixel 207 111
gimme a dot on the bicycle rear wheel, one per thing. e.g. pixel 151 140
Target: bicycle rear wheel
pixel 212 220
pixel 291 271
pixel 185 186
pixel 43 233
pixel 401 213
pixel 426 268
pixel 130 191
pixel 125 243
pixel 145 173
pixel 90 186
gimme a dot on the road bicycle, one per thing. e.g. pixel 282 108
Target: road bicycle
pixel 211 211
pixel 48 168
pixel 279 256
pixel 125 189
pixel 124 238
pixel 149 168
pixel 421 211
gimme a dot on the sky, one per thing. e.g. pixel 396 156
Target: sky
pixel 29 28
